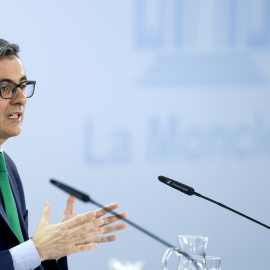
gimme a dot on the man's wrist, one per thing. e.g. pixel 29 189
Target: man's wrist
pixel 41 256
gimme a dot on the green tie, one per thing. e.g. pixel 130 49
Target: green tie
pixel 10 205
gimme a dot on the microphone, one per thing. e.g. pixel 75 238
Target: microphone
pixel 179 186
pixel 190 191
pixel 72 191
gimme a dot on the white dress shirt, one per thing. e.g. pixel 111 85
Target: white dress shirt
pixel 25 256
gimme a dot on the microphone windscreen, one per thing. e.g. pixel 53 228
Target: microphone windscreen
pixel 76 193
pixel 177 185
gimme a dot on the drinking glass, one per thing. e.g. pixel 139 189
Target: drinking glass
pixel 116 264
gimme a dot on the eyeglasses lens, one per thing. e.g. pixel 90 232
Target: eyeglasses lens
pixel 8 89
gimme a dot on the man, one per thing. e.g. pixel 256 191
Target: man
pixel 75 233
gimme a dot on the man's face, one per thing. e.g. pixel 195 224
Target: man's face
pixel 11 110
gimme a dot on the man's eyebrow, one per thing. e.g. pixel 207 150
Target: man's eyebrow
pixel 23 78
pixel 5 80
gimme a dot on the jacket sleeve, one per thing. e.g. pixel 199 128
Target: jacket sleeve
pixel 6 262
pixel 60 264
pixel 63 263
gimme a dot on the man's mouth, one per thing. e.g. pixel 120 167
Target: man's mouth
pixel 14 116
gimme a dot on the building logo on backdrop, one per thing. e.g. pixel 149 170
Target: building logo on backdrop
pixel 170 141
pixel 198 43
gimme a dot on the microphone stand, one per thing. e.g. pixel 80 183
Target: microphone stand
pixel 85 198
pixel 230 209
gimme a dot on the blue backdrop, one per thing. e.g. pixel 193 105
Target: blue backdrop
pixel 129 90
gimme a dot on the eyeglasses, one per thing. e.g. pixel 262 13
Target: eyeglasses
pixel 8 89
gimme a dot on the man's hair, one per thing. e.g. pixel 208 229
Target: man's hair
pixel 8 49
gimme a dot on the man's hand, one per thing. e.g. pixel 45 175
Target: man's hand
pixel 58 240
pixel 69 214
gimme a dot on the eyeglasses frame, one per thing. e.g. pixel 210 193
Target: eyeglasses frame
pixel 19 85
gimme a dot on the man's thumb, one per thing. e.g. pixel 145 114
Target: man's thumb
pixel 45 217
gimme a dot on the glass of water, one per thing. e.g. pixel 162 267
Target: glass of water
pixel 116 264
pixel 213 263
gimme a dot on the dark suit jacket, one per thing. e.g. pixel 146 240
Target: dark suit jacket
pixel 7 237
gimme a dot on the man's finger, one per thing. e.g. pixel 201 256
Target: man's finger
pixel 45 216
pixel 81 248
pixel 109 238
pixel 114 228
pixel 79 220
pixel 87 226
pixel 112 219
pixel 85 237
pixel 100 239
pixel 104 239
pixel 106 209
pixel 69 205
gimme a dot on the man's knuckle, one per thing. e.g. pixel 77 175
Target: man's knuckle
pixel 83 236
pixel 65 235
pixel 77 219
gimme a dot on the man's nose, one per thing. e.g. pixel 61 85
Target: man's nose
pixel 19 97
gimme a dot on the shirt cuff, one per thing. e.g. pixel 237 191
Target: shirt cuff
pixel 25 256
